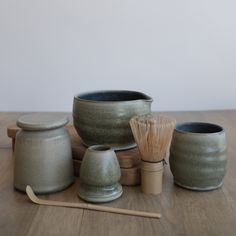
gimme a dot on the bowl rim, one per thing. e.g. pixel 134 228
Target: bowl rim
pixel 178 125
pixel 146 97
pixel 100 148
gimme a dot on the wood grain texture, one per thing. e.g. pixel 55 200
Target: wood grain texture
pixel 16 213
pixel 50 220
pixel 183 212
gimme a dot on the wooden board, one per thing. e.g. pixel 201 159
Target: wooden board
pixel 129 160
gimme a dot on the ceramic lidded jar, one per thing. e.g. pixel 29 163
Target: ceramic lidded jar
pixel 198 156
pixel 43 156
pixel 99 175
pixel 102 117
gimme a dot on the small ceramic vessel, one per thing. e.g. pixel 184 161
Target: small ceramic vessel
pixel 102 117
pixel 99 175
pixel 43 157
pixel 198 156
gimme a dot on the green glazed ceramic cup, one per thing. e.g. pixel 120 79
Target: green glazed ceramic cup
pixel 102 117
pixel 198 156
pixel 99 175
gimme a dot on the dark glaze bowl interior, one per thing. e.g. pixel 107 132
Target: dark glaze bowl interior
pixel 113 96
pixel 199 128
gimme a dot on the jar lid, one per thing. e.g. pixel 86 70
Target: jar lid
pixel 41 121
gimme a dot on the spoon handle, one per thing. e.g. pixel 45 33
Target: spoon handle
pixel 39 201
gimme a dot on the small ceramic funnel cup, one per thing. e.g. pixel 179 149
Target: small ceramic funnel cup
pixel 99 175
pixel 151 177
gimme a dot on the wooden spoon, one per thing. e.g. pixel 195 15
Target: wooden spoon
pixel 39 201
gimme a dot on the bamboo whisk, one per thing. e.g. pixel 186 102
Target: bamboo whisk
pixel 153 134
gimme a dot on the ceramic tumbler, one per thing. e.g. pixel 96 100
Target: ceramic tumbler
pixel 42 154
pixel 198 156
pixel 99 175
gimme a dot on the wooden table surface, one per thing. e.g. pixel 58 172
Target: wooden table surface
pixel 183 212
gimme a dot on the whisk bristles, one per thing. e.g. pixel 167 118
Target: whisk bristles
pixel 153 134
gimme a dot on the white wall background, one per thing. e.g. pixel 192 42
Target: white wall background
pixel 182 53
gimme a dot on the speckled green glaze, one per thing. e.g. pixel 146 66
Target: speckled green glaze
pixel 42 154
pixel 198 156
pixel 103 117
pixel 99 175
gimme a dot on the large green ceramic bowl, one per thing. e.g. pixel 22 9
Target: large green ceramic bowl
pixel 198 156
pixel 102 117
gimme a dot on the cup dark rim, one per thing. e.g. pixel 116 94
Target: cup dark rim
pixel 211 127
pixel 79 96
